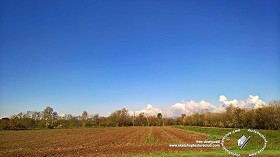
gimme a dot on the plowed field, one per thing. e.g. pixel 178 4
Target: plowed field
pixel 96 141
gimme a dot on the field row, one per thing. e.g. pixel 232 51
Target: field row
pixel 95 141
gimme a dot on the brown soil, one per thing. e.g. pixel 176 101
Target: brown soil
pixel 96 141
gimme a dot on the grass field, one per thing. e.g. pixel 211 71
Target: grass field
pixel 122 141
pixel 272 136
pixel 272 149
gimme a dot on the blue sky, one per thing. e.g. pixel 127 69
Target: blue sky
pixel 100 56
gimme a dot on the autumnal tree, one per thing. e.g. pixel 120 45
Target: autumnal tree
pixel 133 119
pixel 124 117
pixel 142 119
pixel 182 119
pixel 238 117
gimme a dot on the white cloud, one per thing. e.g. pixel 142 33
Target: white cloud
pixel 149 110
pixel 192 107
pixel 177 109
pixel 63 115
pixel 227 103
pixel 250 103
pixel 188 108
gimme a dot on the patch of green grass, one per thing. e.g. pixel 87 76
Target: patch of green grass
pixel 272 136
pixel 150 139
pixel 202 153
pixel 188 153
pixel 212 138
pixel 255 144
pixel 217 132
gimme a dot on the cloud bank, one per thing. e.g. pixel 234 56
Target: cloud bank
pixel 250 103
pixel 149 110
pixel 192 107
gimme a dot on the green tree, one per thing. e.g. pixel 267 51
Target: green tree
pixel 96 120
pixel 49 116
pixel 159 117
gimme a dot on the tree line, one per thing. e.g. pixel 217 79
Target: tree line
pixel 48 118
pixel 267 117
pixel 261 118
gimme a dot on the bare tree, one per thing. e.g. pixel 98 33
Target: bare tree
pixel 142 119
pixel 96 120
pixel 133 118
pixel 84 118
